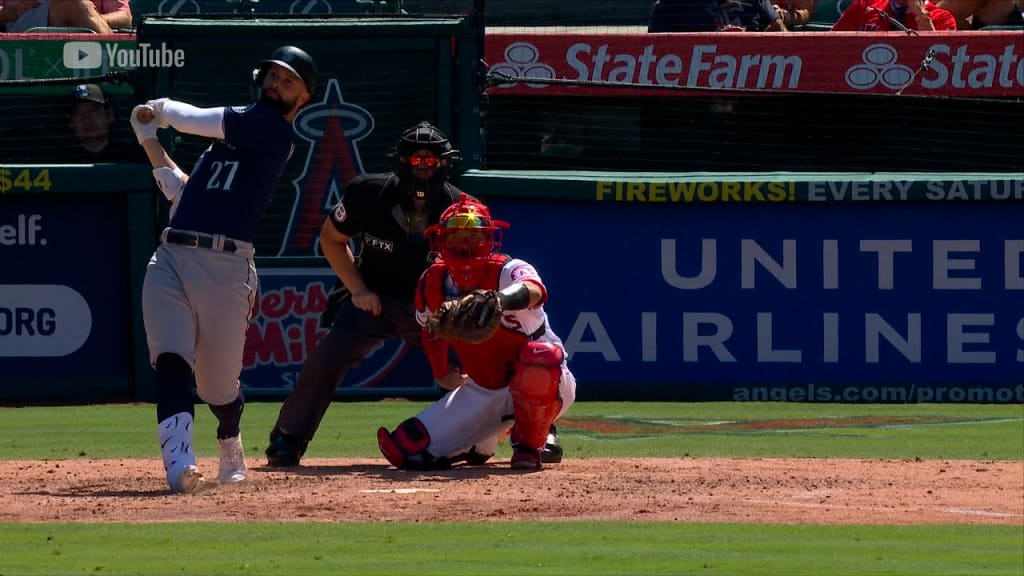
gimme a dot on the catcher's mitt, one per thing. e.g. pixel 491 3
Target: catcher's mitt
pixel 474 318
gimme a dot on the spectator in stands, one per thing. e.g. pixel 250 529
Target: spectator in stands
pixel 977 14
pixel 714 16
pixel 117 13
pixel 21 15
pixel 90 120
pixel 887 15
pixel 795 12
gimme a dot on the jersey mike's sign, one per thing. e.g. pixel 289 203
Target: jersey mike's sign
pixel 887 302
pixel 286 328
pixel 966 64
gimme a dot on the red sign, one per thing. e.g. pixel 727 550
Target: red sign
pixel 964 64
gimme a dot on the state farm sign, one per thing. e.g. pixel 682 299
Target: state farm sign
pixel 962 64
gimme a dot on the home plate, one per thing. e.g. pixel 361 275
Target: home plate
pixel 400 490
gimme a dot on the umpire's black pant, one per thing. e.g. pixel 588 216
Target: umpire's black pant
pixel 352 335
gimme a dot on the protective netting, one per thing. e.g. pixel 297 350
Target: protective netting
pixel 39 125
pixel 598 13
pixel 755 132
pixel 768 120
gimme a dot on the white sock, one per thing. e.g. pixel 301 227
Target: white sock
pixel 175 435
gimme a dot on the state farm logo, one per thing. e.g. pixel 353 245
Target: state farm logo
pixel 879 67
pixel 943 67
pixel 522 60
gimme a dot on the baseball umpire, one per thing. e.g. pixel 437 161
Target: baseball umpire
pixel 373 302
pixel 201 282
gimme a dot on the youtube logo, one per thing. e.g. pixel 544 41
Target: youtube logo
pixel 83 55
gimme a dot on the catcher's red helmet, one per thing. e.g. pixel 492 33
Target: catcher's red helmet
pixel 465 236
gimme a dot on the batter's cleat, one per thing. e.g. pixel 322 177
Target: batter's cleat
pixel 551 453
pixel 524 458
pixel 191 481
pixel 284 450
pixel 232 460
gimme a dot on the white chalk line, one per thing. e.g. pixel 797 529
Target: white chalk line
pixel 399 490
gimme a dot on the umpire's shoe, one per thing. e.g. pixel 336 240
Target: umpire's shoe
pixel 284 450
pixel 551 453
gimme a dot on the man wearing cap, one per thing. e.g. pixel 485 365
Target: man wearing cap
pixel 90 120
pixel 201 282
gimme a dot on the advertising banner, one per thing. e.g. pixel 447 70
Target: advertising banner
pixel 286 328
pixel 965 64
pixel 38 56
pixel 893 302
pixel 64 302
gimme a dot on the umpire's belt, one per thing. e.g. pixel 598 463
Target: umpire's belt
pixel 198 240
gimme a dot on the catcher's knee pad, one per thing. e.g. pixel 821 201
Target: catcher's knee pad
pixel 534 390
pixel 406 447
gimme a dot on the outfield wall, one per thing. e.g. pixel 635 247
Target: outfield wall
pixel 798 287
pixel 843 287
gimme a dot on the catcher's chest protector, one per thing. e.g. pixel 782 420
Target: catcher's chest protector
pixel 433 290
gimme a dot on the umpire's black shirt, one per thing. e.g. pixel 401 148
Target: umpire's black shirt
pixel 392 255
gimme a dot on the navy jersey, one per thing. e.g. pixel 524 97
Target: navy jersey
pixel 391 256
pixel 233 181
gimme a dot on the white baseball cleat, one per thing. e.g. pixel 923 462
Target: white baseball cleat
pixel 191 481
pixel 232 460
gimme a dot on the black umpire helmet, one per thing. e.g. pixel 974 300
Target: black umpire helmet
pixel 294 59
pixel 425 136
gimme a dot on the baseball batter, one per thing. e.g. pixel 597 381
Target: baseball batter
pixel 201 282
pixel 517 376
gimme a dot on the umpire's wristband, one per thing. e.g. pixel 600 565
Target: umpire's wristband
pixel 514 297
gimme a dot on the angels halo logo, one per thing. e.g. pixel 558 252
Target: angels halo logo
pixel 332 127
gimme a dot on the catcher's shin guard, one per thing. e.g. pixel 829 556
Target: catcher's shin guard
pixel 534 389
pixel 406 447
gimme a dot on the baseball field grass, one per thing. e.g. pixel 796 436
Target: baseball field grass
pixel 590 430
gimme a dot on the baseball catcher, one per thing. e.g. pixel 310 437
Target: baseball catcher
pixel 488 308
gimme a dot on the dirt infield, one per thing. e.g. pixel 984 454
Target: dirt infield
pixel 798 491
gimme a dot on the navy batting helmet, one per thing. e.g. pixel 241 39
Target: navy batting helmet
pixel 294 59
pixel 425 136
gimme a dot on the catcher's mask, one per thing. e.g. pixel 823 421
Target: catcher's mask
pixel 420 179
pixel 465 236
pixel 424 136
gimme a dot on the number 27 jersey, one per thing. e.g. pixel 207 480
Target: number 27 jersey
pixel 234 179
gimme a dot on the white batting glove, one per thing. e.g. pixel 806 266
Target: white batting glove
pixel 144 130
pixel 158 111
pixel 171 181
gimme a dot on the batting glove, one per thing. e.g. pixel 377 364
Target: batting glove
pixel 158 111
pixel 144 131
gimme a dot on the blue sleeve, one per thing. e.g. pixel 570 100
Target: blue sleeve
pixel 246 126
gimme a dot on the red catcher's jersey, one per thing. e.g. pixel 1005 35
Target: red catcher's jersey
pixel 490 364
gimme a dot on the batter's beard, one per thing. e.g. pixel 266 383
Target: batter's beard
pixel 281 106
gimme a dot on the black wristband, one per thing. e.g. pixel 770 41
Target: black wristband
pixel 515 297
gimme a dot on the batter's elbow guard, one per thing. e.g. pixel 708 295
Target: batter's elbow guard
pixel 171 181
